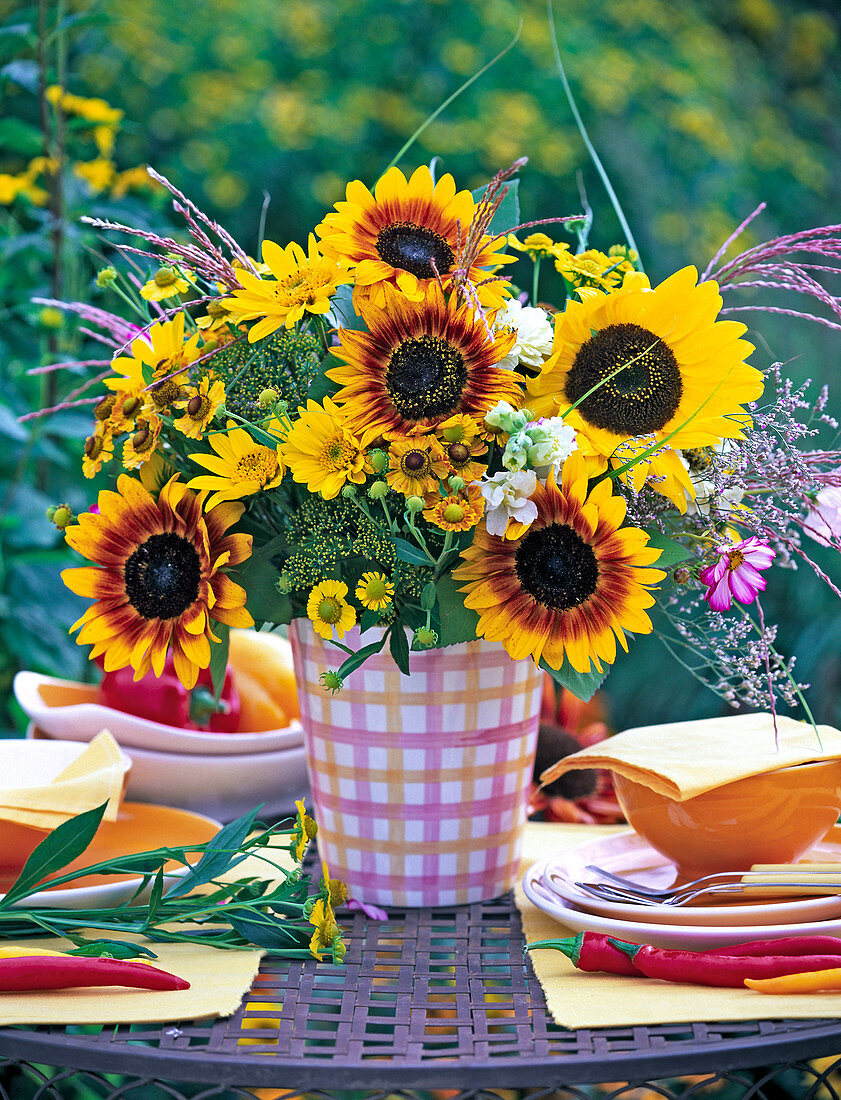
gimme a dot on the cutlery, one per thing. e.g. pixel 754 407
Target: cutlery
pixel 684 894
pixel 831 873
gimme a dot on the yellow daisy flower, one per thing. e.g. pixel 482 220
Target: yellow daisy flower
pixel 328 609
pixel 458 429
pixel 303 831
pixel 301 284
pixel 647 368
pixel 163 351
pixel 327 935
pixel 322 452
pixel 457 512
pixel 99 449
pixel 239 468
pixel 536 245
pixel 591 268
pixel 128 406
pixel 142 443
pixel 374 591
pixel 415 465
pixel 167 282
pixel 199 406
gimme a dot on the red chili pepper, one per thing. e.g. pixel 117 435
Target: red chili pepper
pixel 165 699
pixel 591 951
pixel 786 945
pixel 705 968
pixel 25 972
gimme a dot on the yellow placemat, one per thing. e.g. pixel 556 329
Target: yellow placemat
pixel 578 999
pixel 94 777
pixel 684 759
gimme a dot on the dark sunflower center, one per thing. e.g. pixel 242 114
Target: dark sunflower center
pixel 458 453
pixel 162 576
pixel 414 460
pixel 425 377
pixel 414 248
pixel 641 396
pixel 557 567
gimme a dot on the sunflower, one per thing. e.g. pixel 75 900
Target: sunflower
pixel 418 364
pixel 663 373
pixel 159 581
pixel 239 468
pixel 321 451
pixel 457 512
pixel 161 352
pixel 374 591
pixel 416 465
pixel 301 284
pixel 572 584
pixel 199 406
pixel 327 608
pixel 408 234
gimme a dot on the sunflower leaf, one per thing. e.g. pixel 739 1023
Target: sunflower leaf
pixel 398 643
pixel 458 623
pixel 583 685
pixel 508 213
pixel 356 659
pixel 219 659
pixel 672 553
pixel 407 551
pixel 258 576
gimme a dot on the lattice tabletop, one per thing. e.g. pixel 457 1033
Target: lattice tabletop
pixel 426 999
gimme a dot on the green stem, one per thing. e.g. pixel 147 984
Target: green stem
pixel 535 279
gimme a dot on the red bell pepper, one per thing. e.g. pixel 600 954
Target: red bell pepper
pixel 165 699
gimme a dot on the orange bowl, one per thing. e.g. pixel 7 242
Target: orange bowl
pixel 773 817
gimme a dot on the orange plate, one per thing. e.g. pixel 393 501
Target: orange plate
pixel 140 826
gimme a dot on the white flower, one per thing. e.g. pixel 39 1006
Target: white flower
pixel 552 442
pixel 504 416
pixel 823 521
pixel 507 497
pixel 533 331
pixel 705 494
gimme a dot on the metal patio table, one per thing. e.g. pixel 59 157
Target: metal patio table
pixel 430 999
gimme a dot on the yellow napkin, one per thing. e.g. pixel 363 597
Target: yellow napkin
pixel 684 759
pixel 96 775
pixel 579 999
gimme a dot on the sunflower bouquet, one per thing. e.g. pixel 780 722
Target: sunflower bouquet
pixel 385 431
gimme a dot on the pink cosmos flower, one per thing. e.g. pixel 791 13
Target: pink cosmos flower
pixel 736 573
pixel 823 522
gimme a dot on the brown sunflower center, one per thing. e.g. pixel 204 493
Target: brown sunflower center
pixel 458 453
pixel 414 248
pixel 198 406
pixel 413 462
pixel 557 567
pixel 164 394
pixel 162 576
pixel 634 376
pixel 425 377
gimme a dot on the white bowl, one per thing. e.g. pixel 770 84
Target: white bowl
pixel 83 720
pixel 223 787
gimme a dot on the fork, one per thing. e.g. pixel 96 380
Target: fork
pixel 829 870
pixel 682 896
pixel 648 891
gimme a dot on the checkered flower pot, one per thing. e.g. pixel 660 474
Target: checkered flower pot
pixel 419 783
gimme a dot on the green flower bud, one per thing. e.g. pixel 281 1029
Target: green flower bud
pixel 379 460
pixel 267 398
pixel 51 511
pixel 62 516
pixel 681 575
pixel 106 277
pixel 415 504
pixel 425 637
pixel 284 584
pixel 349 490
pixel 331 681
pixel 456 483
pixel 378 491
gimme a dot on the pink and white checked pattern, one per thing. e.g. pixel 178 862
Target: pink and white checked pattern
pixel 419 784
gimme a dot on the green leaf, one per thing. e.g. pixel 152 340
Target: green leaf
pixel 583 685
pixel 458 623
pixel 219 658
pixel 508 213
pixel 64 844
pixel 219 855
pixel 368 619
pixel 259 578
pixel 17 136
pixel 673 552
pixel 115 949
pixel 429 596
pixel 342 314
pixel 156 895
pixel 267 931
pixel 399 645
pixel 407 551
pixel 322 386
pixel 361 656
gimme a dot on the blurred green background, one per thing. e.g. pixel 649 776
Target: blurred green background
pixel 699 110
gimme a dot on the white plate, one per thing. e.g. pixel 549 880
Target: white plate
pixel 691 936
pixel 83 720
pixel 629 855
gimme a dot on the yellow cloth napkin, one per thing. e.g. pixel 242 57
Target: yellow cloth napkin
pixel 579 999
pixel 96 775
pixel 684 759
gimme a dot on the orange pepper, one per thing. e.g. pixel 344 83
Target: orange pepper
pixel 261 664
pixel 807 981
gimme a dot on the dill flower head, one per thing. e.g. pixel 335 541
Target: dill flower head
pixel 285 362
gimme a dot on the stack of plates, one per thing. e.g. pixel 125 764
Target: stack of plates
pixel 551 886
pixel 220 774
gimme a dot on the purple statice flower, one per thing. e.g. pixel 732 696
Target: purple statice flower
pixel 823 521
pixel 736 573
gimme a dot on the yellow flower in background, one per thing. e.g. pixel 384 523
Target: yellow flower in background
pixel 167 282
pixel 374 591
pixel 199 406
pixel 415 465
pixel 91 109
pixel 328 610
pixel 321 450
pixel 98 173
pixel 663 372
pixel 300 284
pixel 537 246
pixel 99 449
pixel 239 468
pixel 408 234
pixel 458 511
pixel 156 578
pixel 143 441
pixel 569 587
